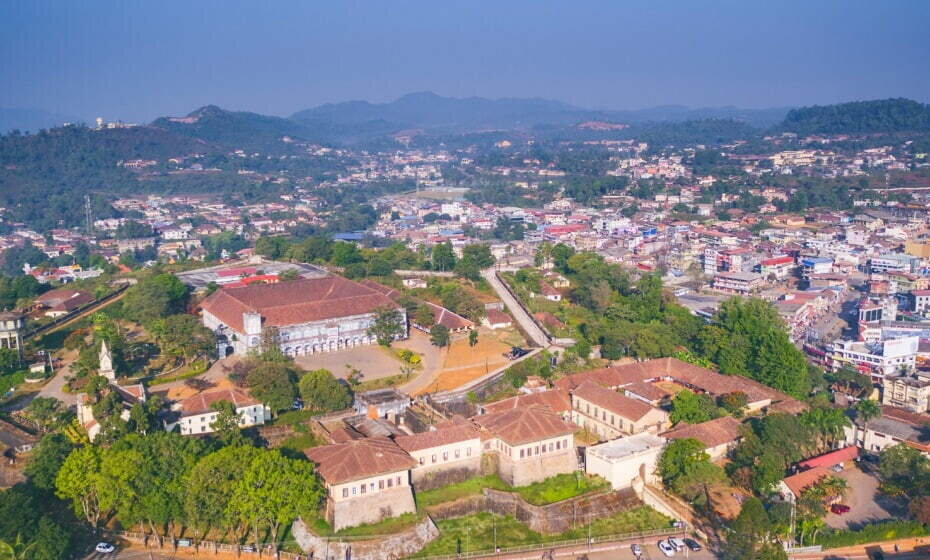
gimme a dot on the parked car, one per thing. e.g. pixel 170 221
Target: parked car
pixel 247 548
pixel 516 352
pixel 666 548
pixel 676 543
pixel 104 547
pixel 839 509
pixel 692 544
pixel 636 550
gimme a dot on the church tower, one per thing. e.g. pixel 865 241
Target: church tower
pixel 106 363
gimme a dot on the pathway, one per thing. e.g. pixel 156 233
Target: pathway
pixel 529 326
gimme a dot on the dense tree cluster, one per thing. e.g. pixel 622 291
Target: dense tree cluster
pixel 885 115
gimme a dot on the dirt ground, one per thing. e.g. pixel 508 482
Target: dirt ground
pixel 463 363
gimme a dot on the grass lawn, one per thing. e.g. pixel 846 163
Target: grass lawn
pixel 476 532
pixel 561 487
pixel 387 527
pixel 452 492
pixel 299 442
pixel 553 489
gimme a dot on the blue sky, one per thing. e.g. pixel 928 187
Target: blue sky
pixel 138 60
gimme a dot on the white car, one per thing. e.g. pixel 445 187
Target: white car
pixel 636 550
pixel 666 548
pixel 677 544
pixel 104 547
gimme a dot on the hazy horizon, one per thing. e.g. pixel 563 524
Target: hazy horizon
pixel 136 62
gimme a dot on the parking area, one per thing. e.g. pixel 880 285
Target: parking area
pixel 649 551
pixel 866 503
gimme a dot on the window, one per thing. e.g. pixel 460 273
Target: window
pixel 558 445
pixel 445 455
pixel 537 450
pixel 390 483
pixel 372 486
pixel 398 481
pixel 587 408
pixel 521 453
pixel 565 443
pixel 362 488
pixel 345 492
pixel 422 460
pixel 458 452
pixel 551 447
pixel 380 485
pixel 354 490
pixel 468 452
pixel 434 458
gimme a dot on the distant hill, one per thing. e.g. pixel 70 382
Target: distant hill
pixel 862 117
pixel 428 110
pixel 31 120
pixel 236 129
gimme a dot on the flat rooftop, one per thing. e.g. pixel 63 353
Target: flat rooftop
pixel 627 447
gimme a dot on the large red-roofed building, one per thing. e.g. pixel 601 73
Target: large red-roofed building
pixel 310 315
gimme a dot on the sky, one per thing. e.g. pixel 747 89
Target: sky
pixel 135 60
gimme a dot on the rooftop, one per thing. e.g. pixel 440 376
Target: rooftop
pixel 626 447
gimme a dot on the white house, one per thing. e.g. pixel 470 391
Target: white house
pixel 198 414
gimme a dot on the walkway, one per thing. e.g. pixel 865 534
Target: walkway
pixel 527 324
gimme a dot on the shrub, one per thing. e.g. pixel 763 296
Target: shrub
pixel 883 531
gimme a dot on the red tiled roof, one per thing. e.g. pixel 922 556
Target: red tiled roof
pixel 797 483
pixel 436 438
pixel 523 425
pixel 556 399
pixel 201 402
pixel 497 317
pixel 612 401
pixel 682 372
pixel 715 432
pixel 295 302
pixel 832 458
pixel 361 458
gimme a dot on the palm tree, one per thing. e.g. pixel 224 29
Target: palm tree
pixel 867 409
pixel 15 551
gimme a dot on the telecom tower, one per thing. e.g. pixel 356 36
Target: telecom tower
pixel 88 215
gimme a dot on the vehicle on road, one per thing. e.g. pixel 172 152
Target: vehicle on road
pixel 247 548
pixel 839 509
pixel 516 352
pixel 104 547
pixel 692 545
pixel 666 548
pixel 636 550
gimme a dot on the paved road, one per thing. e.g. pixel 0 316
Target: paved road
pixel 526 322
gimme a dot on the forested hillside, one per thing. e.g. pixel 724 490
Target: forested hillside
pixel 862 117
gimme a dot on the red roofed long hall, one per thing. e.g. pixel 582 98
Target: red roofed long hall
pixel 311 315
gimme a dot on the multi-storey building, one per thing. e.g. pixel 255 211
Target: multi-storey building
pixel 304 316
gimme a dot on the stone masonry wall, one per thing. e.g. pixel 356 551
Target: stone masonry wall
pixel 370 509
pixel 392 547
pixel 430 477
pixel 522 472
pixel 550 519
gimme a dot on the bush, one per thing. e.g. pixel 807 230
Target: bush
pixel 883 531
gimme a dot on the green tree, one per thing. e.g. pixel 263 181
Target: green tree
pixel 424 316
pixel 686 469
pixel 693 408
pixel 388 325
pixel 183 336
pixel 439 336
pixel 47 459
pixel 473 338
pixel 322 392
pixel 273 492
pixel 751 536
pixel 155 297
pixel 274 384
pixel 226 426
pixel 47 413
pixel 443 257
pixel 211 485
pixel 78 481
